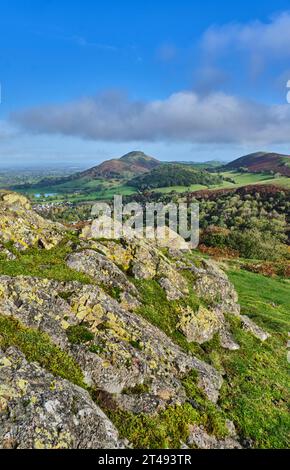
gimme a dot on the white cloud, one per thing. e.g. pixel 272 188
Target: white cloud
pixel 263 41
pixel 7 130
pixel 183 116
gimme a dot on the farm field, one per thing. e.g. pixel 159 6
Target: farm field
pixel 90 190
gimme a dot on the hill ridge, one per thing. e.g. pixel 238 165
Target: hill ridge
pixel 258 162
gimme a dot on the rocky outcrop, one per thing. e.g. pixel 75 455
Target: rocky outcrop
pixel 101 269
pixel 213 285
pixel 199 326
pixel 214 289
pixel 20 225
pixel 40 411
pixel 124 350
pixel 136 257
pixel 160 237
pixel 101 325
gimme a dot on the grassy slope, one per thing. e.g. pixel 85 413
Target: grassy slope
pixel 258 374
pixel 241 179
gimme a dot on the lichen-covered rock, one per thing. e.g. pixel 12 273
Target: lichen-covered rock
pixel 165 237
pixel 141 257
pixel 161 237
pixel 38 303
pixel 199 326
pixel 123 357
pixel 172 292
pixel 40 411
pixel 145 262
pixel 125 349
pixel 149 263
pixel 134 351
pixel 119 252
pixel 138 257
pixel 226 338
pixel 209 379
pixel 23 227
pixel 101 269
pixel 14 200
pixel 213 285
pixel 202 440
pixel 129 302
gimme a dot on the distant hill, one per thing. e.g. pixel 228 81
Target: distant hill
pixel 170 174
pixel 262 162
pixel 131 164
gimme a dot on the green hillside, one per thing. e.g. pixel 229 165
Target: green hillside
pixel 174 175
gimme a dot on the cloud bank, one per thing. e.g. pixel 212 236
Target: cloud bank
pixel 183 116
pixel 261 43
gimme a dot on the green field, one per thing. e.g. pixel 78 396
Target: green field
pixel 83 190
pixel 87 193
pixel 241 179
pixel 258 398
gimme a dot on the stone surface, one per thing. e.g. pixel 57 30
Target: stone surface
pixel 254 329
pixel 172 292
pixel 101 269
pixel 161 237
pixel 129 350
pixel 226 339
pixel 199 326
pixel 21 225
pixel 202 440
pixel 141 256
pixel 213 285
pixel 40 411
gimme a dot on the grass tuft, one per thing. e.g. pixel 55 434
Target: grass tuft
pixel 38 347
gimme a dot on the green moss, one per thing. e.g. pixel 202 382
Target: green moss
pixel 37 346
pixel 169 429
pixel 114 292
pixel 136 344
pixel 165 314
pixel 49 264
pixel 79 334
pixel 212 418
pixel 96 349
pixel 137 390
pixel 65 295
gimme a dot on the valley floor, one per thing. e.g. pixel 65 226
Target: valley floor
pixel 84 190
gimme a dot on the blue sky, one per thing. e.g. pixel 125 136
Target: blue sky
pixel 189 80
